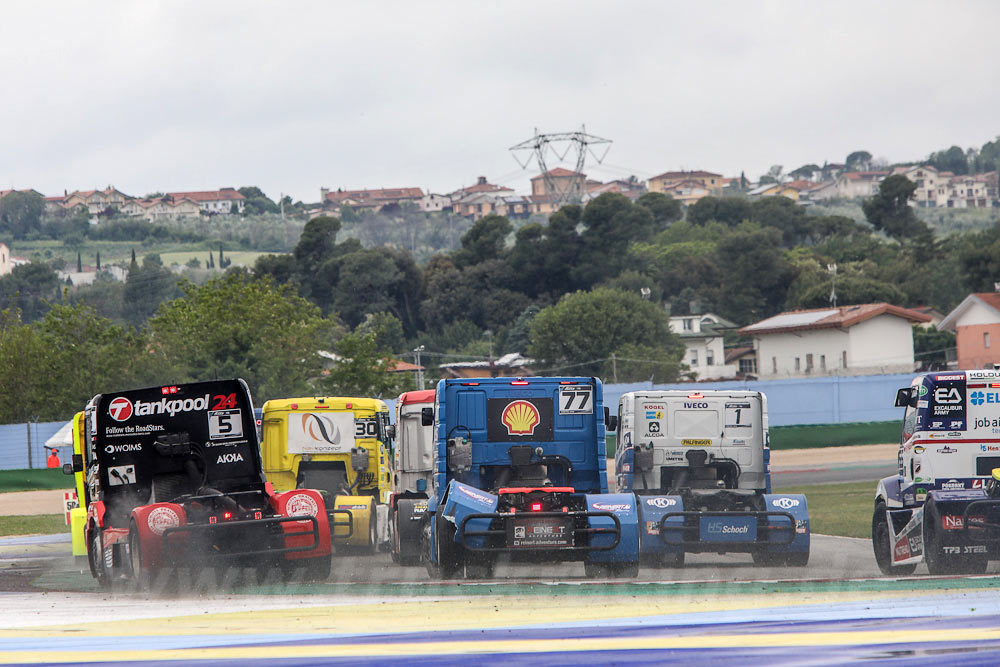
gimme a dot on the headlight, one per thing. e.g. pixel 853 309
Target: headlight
pixel 301 504
pixel 162 518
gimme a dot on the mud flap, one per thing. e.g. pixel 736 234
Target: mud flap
pixel 462 500
pixel 778 526
pixel 623 506
pixel 651 511
pixel 906 545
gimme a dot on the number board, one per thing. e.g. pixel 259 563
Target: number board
pixel 738 415
pixel 576 399
pixel 365 428
pixel 224 424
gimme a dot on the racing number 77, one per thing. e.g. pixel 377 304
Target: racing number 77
pixel 575 399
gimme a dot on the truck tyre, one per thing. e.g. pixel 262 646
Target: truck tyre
pixel 97 559
pixel 318 569
pixel 480 568
pixel 883 548
pixel 406 541
pixel 933 556
pixel 372 547
pixel 448 565
pixel 797 559
pixel 394 534
pixel 142 577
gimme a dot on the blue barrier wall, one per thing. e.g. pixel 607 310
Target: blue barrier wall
pixel 821 400
pixel 14 439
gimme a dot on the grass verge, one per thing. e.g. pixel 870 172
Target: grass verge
pixel 46 524
pixel 34 480
pixel 839 509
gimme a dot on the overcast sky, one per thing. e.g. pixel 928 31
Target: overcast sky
pixel 293 96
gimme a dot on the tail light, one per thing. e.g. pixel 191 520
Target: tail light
pixel 258 515
pixel 226 516
pixel 536 507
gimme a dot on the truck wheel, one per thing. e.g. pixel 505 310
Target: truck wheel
pixel 882 547
pixel 318 569
pixel 448 565
pixel 762 558
pixel 143 577
pixel 936 564
pixel 372 547
pixel 394 534
pixel 797 559
pixel 625 570
pixel 406 542
pixel 595 570
pixel 97 559
pixel 479 569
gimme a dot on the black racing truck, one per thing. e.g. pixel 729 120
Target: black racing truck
pixel 175 484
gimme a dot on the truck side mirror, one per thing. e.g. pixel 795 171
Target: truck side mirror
pixel 390 431
pixel 903 397
pixel 610 420
pixel 427 416
pixel 76 465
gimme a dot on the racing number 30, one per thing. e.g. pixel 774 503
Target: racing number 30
pixel 575 400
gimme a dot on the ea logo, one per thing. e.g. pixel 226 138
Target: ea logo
pixel 661 502
pixel 785 503
pixel 120 409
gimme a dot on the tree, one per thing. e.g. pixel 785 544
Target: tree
pixel 665 209
pixel 257 203
pixel 889 211
pixel 610 223
pixel 146 287
pixel 644 363
pixel 362 369
pixel 727 210
pixel 21 213
pixel 951 159
pixel 239 326
pixel 29 289
pixel 858 161
pixel 806 171
pixel 931 347
pixel 486 240
pixel 785 215
pixel 584 328
pixel 753 274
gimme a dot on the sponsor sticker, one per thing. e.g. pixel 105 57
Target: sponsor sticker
pixel 121 475
pixel 662 503
pixel 652 528
pixel 696 442
pixel 946 450
pixel 612 507
pixel 232 457
pixel 162 518
pixel 481 497
pixel 785 503
pixel 301 504
pixel 952 485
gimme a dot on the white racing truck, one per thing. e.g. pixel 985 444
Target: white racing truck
pixel 698 464
pixel 940 507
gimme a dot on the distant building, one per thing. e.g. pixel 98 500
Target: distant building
pixel 688 186
pixel 369 200
pixel 6 265
pixel 559 183
pixel 976 323
pixel 95 201
pixel 213 202
pixel 702 336
pixel 434 203
pixel 847 340
pixel 482 199
pixel 859 184
pixel 509 365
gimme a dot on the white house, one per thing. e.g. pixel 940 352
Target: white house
pixel 703 351
pixel 6 266
pixel 867 339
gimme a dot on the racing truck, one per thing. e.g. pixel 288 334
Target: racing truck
pixel 412 473
pixel 698 464
pixel 520 471
pixel 941 507
pixel 174 481
pixel 341 446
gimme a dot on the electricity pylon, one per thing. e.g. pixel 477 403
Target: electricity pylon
pixel 560 144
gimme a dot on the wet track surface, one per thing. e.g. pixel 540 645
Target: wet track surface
pixel 718 609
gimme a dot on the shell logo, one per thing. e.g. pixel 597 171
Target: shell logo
pixel 520 418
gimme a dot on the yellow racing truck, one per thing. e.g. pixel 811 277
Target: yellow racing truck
pixel 341 446
pixel 77 468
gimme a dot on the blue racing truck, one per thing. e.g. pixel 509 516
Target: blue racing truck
pixel 698 464
pixel 520 470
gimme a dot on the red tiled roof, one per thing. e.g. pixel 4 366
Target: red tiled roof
pixel 559 172
pixel 400 366
pixel 800 185
pixel 381 195
pixel 485 187
pixel 734 353
pixel 687 174
pixel 864 175
pixel 842 317
pixel 208 195
pixel 990 298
